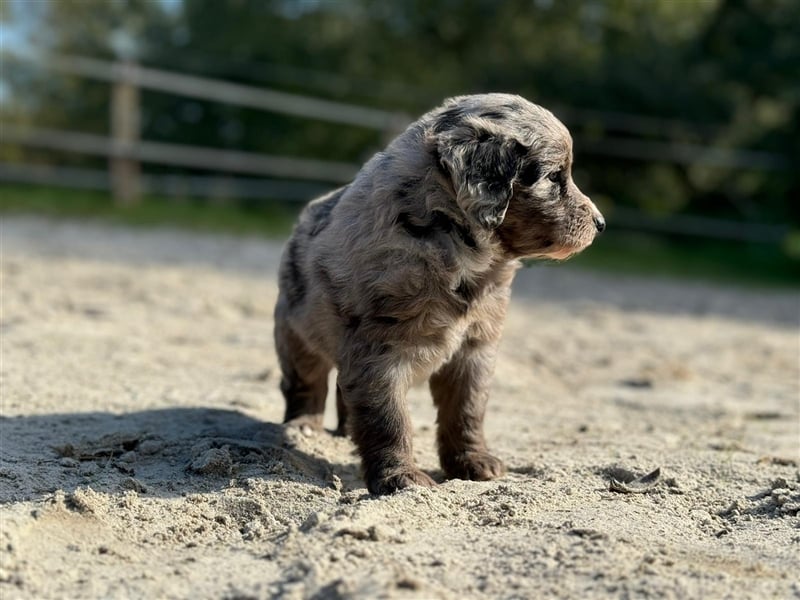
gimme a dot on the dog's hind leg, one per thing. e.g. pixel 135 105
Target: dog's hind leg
pixel 304 378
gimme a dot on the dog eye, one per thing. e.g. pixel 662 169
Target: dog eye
pixel 530 174
pixel 556 176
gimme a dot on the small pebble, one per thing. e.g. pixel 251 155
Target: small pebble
pixel 129 457
pixel 150 447
pixel 130 483
pixel 215 461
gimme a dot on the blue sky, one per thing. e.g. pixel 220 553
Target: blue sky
pixel 22 14
pixel 14 34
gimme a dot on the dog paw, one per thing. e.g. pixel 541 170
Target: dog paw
pixel 397 481
pixel 308 425
pixel 476 465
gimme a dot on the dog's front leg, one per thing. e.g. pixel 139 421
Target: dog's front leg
pixel 460 391
pixel 373 392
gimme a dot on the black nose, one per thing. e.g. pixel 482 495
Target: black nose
pixel 600 223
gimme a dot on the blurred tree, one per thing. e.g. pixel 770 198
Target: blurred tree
pixel 88 28
pixel 722 73
pixel 748 57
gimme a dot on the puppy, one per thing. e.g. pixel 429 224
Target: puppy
pixel 405 274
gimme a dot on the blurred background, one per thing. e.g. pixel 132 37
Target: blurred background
pixel 230 114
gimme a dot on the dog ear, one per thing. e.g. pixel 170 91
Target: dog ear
pixel 483 166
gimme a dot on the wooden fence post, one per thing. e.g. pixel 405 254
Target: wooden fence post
pixel 125 128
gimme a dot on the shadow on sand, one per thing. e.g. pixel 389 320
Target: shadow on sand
pixel 164 452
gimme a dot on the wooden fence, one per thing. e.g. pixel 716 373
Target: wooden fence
pixel 300 178
pixel 125 150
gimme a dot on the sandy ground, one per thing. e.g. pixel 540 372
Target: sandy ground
pixel 142 455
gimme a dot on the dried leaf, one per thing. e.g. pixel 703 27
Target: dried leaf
pixel 637 485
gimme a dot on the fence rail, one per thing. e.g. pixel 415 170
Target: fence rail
pixel 126 150
pixel 194 186
pixel 226 92
pixel 182 155
pixel 685 154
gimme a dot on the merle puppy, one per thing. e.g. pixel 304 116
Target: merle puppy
pixel 405 274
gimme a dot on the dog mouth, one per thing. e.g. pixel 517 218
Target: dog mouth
pixel 530 236
pixel 557 253
pixel 562 251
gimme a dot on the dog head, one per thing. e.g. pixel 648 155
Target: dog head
pixel 510 162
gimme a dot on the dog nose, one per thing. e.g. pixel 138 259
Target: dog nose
pixel 600 223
